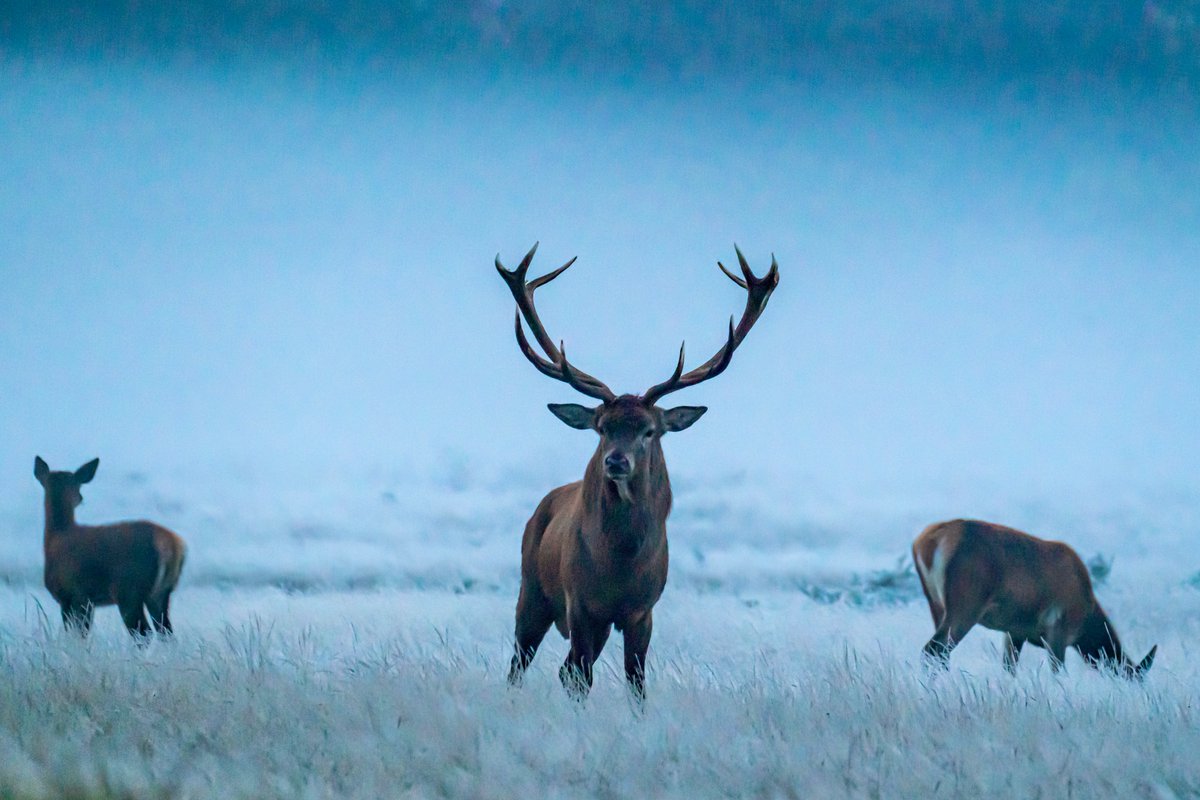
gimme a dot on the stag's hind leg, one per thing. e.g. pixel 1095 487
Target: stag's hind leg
pixel 534 618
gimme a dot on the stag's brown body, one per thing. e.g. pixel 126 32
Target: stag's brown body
pixel 1031 589
pixel 594 553
pixel 133 565
pixel 591 560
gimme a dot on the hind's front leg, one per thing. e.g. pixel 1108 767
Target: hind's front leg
pixel 77 617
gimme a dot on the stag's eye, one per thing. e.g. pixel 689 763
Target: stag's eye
pixel 649 434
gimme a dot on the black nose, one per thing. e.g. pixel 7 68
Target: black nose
pixel 616 464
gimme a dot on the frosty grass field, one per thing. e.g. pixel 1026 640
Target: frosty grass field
pixel 354 642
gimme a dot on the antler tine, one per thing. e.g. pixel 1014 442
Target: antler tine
pixel 522 292
pixel 659 389
pixel 549 276
pixel 513 275
pixel 742 261
pixel 547 368
pixel 543 366
pixel 740 282
pixel 758 292
pixel 714 367
pixel 582 382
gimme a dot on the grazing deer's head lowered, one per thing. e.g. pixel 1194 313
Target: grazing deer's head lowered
pixel 133 565
pixel 1033 590
pixel 594 554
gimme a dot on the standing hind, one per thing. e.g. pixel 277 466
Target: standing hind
pixel 133 565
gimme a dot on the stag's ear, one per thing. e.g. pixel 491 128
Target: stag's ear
pixel 681 418
pixel 40 469
pixel 573 414
pixel 88 471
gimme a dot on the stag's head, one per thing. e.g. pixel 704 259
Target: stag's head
pixel 630 426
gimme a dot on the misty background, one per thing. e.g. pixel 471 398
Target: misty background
pixel 256 242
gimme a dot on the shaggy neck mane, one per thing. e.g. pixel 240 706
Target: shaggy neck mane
pixel 628 525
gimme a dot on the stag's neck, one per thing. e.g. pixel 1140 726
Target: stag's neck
pixel 60 517
pixel 634 523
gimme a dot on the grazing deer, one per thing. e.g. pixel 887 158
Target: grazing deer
pixel 134 565
pixel 594 553
pixel 1030 589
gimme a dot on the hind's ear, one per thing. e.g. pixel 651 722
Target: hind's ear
pixel 40 469
pixel 88 471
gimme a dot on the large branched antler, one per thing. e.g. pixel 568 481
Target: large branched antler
pixel 557 366
pixel 758 292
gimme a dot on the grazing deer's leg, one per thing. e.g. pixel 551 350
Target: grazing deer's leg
pixel 134 615
pixel 160 616
pixel 77 617
pixel 966 594
pixel 1012 651
pixel 534 618
pixel 1057 648
pixel 637 642
pixel 946 638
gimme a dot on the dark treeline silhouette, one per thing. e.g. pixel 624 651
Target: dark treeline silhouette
pixel 1148 44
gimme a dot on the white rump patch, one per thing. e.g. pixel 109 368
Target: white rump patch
pixel 934 575
pixel 161 577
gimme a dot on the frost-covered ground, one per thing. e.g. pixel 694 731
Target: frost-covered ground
pixel 353 643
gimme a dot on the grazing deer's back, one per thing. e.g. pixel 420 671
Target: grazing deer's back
pixel 1053 566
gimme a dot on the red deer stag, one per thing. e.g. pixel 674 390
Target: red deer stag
pixel 594 553
pixel 130 564
pixel 1030 589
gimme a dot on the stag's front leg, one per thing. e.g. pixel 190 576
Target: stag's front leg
pixel 587 640
pixel 637 642
pixel 534 618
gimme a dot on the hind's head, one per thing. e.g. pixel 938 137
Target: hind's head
pixel 62 487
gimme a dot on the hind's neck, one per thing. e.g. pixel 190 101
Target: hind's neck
pixel 60 515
